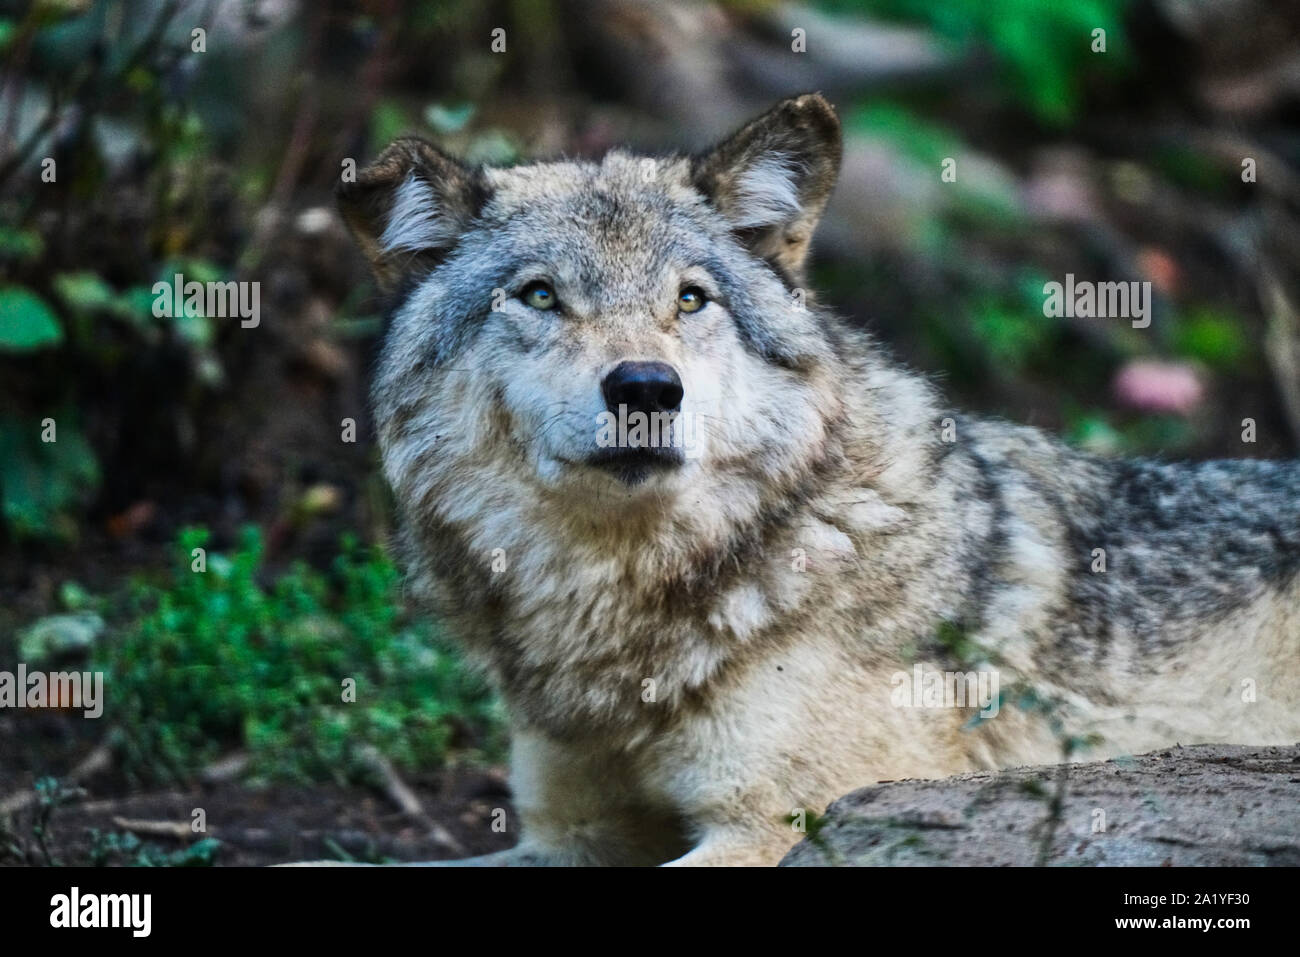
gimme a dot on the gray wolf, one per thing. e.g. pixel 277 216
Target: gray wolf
pixel 695 647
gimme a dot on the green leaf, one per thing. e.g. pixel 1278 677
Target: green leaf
pixel 20 244
pixel 448 119
pixel 40 482
pixel 84 290
pixel 55 635
pixel 26 322
pixel 1215 338
pixel 389 121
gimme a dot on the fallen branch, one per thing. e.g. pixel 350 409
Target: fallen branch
pixel 406 800
pixel 180 830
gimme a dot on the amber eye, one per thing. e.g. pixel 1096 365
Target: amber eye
pixel 539 295
pixel 691 299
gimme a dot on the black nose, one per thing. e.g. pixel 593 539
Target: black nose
pixel 643 387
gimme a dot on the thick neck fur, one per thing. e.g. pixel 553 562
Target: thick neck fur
pixel 620 594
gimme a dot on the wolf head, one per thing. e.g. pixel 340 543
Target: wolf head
pixel 630 333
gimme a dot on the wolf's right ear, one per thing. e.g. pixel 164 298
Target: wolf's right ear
pixel 772 178
pixel 409 207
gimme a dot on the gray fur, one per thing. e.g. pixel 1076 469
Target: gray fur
pixel 825 540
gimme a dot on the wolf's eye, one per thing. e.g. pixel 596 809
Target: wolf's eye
pixel 691 299
pixel 539 295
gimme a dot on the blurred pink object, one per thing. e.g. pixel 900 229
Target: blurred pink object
pixel 1160 268
pixel 1159 386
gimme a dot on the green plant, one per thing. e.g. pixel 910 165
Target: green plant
pixel 41 482
pixel 26 322
pixel 75 307
pixel 117 847
pixel 306 672
pixel 1043 47
pixel 1213 336
pixel 51 794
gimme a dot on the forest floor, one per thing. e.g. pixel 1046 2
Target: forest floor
pixel 100 817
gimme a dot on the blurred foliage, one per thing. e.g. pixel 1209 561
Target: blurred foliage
pixel 26 322
pixel 215 660
pixel 1012 336
pixel 34 844
pixel 76 306
pixel 959 284
pixel 983 202
pixel 124 849
pixel 163 158
pixel 1215 337
pixel 43 484
pixel 1044 47
pixel 919 139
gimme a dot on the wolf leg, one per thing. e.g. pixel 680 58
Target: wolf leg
pixel 735 847
pixel 577 805
pixel 580 804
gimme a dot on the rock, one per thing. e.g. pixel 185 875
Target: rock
pixel 1220 805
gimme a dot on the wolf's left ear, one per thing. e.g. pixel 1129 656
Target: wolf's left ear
pixel 772 178
pixel 409 207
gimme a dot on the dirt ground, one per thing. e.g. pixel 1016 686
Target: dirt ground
pixel 1194 806
pixel 253 825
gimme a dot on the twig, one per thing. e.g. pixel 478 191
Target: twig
pixel 295 153
pixel 1282 343
pixel 1052 822
pixel 401 794
pixel 98 760
pixel 99 90
pixel 180 830
pixel 225 769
